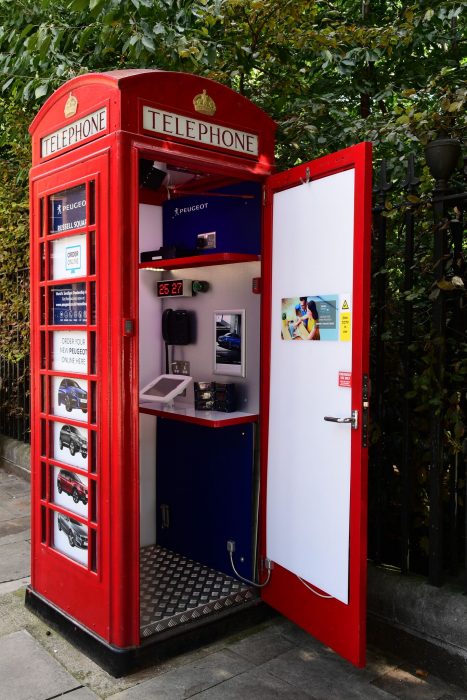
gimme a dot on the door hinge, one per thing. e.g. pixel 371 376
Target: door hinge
pixel 264 195
pixel 365 408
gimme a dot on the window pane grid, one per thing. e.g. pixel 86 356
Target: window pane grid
pixel 68 436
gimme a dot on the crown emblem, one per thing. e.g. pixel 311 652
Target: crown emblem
pixel 71 106
pixel 204 104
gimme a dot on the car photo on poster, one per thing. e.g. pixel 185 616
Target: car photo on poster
pixel 229 342
pixel 74 440
pixel 76 532
pixel 73 485
pixel 72 395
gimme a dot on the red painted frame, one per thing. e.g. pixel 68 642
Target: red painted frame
pixel 207 420
pixel 343 627
pixel 106 602
pixel 50 570
pixel 199 261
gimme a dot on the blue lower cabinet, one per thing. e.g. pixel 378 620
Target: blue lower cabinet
pixel 205 493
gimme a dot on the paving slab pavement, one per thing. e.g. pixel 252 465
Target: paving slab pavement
pixel 273 660
pixel 15 535
pixel 81 694
pixel 28 672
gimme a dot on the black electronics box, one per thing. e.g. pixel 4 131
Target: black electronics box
pixel 215 396
pixel 166 252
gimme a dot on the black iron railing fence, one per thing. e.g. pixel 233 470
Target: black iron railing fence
pixel 417 513
pixel 14 372
pixel 417 475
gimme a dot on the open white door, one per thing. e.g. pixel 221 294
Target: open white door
pixel 315 332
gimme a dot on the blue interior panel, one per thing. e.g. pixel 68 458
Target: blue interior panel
pixel 205 477
pixel 236 219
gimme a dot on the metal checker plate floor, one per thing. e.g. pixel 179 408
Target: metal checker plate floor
pixel 175 590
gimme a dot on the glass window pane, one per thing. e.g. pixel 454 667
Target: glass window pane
pixel 70 537
pixel 67 210
pixel 68 257
pixel 70 490
pixel 69 397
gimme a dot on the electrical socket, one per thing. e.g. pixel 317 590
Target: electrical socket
pixel 181 367
pixel 206 241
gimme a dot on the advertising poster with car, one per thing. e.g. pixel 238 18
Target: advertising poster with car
pixel 70 490
pixel 71 445
pixel 229 342
pixel 70 397
pixel 68 257
pixel 71 538
pixel 70 351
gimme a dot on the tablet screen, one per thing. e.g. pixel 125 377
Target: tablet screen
pixel 164 386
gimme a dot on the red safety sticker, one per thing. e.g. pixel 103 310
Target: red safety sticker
pixel 345 379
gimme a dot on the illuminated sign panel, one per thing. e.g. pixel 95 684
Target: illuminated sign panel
pixel 171 124
pixel 79 130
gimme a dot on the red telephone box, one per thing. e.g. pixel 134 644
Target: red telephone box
pixel 192 453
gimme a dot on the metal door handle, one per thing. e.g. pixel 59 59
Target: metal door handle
pixel 353 420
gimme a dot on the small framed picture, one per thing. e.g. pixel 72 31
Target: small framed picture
pixel 229 342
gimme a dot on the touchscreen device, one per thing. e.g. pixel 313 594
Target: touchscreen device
pixel 164 388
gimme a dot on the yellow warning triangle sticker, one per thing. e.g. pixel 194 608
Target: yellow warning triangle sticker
pixel 345 304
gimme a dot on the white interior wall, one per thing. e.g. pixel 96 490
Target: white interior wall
pixel 150 365
pixel 229 288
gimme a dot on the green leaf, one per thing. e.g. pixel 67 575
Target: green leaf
pixel 79 5
pixel 148 43
pixel 7 84
pixel 95 5
pixel 45 47
pixel 26 31
pixel 83 39
pixel 41 90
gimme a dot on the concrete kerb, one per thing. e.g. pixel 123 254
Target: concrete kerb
pixel 421 623
pixel 437 614
pixel 15 457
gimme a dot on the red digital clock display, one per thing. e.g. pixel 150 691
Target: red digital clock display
pixel 170 288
